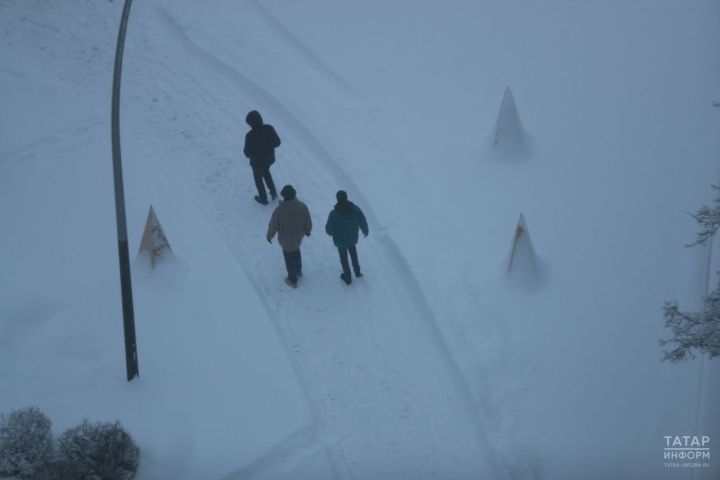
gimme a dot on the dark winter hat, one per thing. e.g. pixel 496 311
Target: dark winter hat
pixel 288 192
pixel 254 119
pixel 341 196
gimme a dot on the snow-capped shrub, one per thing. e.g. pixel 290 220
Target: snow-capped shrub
pixel 25 442
pixel 95 451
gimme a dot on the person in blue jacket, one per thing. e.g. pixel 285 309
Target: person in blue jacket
pixel 343 223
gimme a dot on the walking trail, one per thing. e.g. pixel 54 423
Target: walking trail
pixel 387 398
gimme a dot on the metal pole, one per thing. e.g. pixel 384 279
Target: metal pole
pixel 131 358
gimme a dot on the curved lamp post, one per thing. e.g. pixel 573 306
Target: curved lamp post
pixel 131 358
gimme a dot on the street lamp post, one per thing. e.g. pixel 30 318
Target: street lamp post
pixel 131 358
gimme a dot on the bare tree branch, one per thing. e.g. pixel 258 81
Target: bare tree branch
pixel 709 220
pixel 693 331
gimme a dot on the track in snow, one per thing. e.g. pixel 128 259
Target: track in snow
pixel 388 398
pixel 62 141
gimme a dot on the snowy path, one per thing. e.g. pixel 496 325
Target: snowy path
pixel 388 399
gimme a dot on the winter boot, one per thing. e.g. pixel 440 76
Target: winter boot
pixel 289 283
pixel 260 200
pixel 347 279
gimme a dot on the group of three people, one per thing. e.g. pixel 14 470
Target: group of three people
pixel 291 218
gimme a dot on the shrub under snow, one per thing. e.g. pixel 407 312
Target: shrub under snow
pixel 95 451
pixel 25 442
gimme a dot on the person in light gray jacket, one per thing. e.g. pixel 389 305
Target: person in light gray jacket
pixel 291 221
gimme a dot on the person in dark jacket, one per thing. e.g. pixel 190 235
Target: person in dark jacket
pixel 291 221
pixel 260 144
pixel 343 223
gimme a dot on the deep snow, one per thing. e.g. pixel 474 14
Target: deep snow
pixel 437 364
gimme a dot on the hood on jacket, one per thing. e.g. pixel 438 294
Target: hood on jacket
pixel 254 119
pixel 343 206
pixel 288 193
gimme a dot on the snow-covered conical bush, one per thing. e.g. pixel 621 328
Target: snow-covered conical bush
pixel 508 131
pixel 522 258
pixel 154 243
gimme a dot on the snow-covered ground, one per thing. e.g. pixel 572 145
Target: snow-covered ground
pixel 438 364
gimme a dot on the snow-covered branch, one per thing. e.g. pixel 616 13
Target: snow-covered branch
pixel 693 331
pixel 709 220
pixel 696 331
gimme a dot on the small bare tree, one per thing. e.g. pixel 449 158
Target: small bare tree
pixel 699 331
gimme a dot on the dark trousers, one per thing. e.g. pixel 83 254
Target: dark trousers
pixel 293 263
pixel 344 260
pixel 261 173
